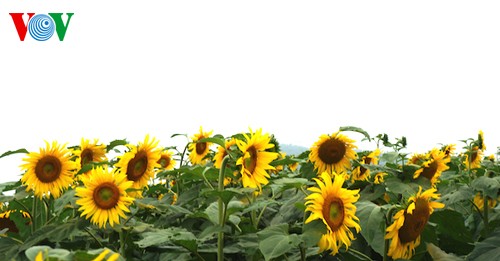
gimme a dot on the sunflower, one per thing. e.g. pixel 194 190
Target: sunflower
pixel 379 177
pixel 362 173
pixel 255 160
pixel 6 222
pixel 50 171
pixel 333 205
pixel 480 140
pixel 138 164
pixel 476 156
pixel 198 150
pixel 166 160
pixel 448 150
pixel 222 152
pixel 103 198
pixel 409 223
pixel 479 202
pixel 435 164
pixel 90 152
pixel 333 153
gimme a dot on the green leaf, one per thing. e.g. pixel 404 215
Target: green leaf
pixel 274 241
pixel 54 233
pixel 453 235
pixel 173 235
pixel 57 254
pixel 395 185
pixel 116 143
pixel 284 183
pixel 312 232
pixel 356 129
pixel 8 248
pixel 488 249
pixel 461 194
pixel 10 152
pixel 372 222
pixel 218 141
pixel 67 198
pixel 9 185
pixel 488 186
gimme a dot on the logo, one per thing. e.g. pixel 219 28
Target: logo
pixel 41 26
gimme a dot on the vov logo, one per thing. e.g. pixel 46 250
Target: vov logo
pixel 41 26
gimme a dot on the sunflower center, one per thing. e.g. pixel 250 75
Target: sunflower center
pixel 5 222
pixel 106 195
pixel 137 166
pixel 87 156
pixel 414 223
pixel 473 156
pixel 201 147
pixel 164 162
pixel 430 170
pixel 251 161
pixel 48 169
pixel 331 151
pixel 333 212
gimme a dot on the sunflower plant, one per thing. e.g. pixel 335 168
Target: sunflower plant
pixel 350 196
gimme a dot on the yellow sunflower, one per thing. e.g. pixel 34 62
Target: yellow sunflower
pixel 90 152
pixel 255 160
pixel 480 141
pixel 476 156
pixel 222 152
pixel 362 173
pixel 139 163
pixel 333 205
pixel 435 164
pixel 479 202
pixel 409 223
pixel 50 171
pixel 333 153
pixel 103 198
pixel 166 160
pixel 198 150
pixel 448 150
pixel 379 177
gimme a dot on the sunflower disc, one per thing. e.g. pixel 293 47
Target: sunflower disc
pixel 41 27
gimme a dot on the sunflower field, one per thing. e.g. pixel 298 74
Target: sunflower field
pixel 240 197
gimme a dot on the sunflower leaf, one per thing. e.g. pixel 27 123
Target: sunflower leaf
pixel 488 186
pixel 274 241
pixel 372 220
pixel 454 235
pixel 219 141
pixel 10 152
pixel 116 143
pixel 355 129
pixel 175 235
pixel 488 249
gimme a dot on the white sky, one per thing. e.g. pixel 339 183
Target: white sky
pixel 428 70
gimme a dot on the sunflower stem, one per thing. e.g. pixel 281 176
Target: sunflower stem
pixel 94 237
pixel 122 242
pixel 359 253
pixel 388 218
pixel 222 211
pixel 485 214
pixel 33 211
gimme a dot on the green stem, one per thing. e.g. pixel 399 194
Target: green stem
pixel 485 212
pixel 359 253
pixel 222 210
pixel 34 212
pixel 388 218
pixel 95 238
pixel 122 243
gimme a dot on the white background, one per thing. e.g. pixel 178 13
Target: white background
pixel 427 70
